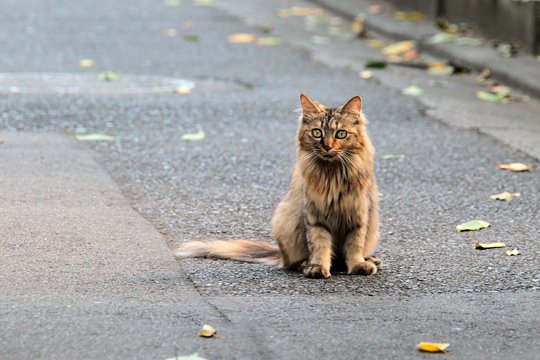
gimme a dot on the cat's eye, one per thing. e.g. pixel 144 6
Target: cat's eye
pixel 341 134
pixel 316 133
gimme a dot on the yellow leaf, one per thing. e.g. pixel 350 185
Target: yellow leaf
pixel 505 196
pixel 357 26
pixel 399 48
pixel 484 246
pixel 472 225
pixel 408 15
pixel 242 38
pixel 93 137
pixel 199 135
pixel 514 252
pixel 182 90
pixel 432 347
pixel 207 331
pixel 376 43
pixel 517 167
pixel 86 63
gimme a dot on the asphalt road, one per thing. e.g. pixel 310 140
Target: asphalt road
pixel 434 286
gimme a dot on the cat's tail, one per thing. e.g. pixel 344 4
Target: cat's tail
pixel 239 250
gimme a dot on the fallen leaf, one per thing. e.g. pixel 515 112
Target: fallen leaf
pixel 191 37
pixel 187 25
pixel 413 90
pixel 358 27
pixel 320 40
pixel 203 2
pixel 172 2
pixel 514 252
pixel 86 63
pixel 194 356
pixel 483 76
pixel 410 54
pixel 484 246
pixel 93 137
pixel 170 32
pixel 432 347
pixel 108 76
pixel 207 331
pixel 198 136
pixel 399 157
pixel 399 47
pixel 376 43
pixel 501 98
pixel 469 41
pixel 438 68
pixel 366 74
pixel 270 41
pixel 505 196
pixel 441 37
pixel 1 141
pixel 377 64
pixel 375 9
pixel 183 90
pixel 408 15
pixel 299 11
pixel 305 11
pixel 242 38
pixel 506 49
pixel 472 225
pixel 516 167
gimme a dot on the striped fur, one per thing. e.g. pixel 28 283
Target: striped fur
pixel 329 217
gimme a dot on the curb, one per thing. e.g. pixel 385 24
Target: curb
pixel 521 72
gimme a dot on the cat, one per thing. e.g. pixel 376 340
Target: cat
pixel 328 220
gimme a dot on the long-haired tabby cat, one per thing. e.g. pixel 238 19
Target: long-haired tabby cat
pixel 329 218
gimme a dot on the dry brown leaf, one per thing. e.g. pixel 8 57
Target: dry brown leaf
pixel 375 9
pixel 516 167
pixel 408 15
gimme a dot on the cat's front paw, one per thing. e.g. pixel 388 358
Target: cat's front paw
pixel 363 268
pixel 316 272
pixel 375 260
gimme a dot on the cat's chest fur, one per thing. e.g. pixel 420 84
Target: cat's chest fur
pixel 333 205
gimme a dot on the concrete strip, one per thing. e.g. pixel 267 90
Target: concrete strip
pixel 83 275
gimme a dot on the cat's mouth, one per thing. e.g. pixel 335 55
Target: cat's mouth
pixel 328 156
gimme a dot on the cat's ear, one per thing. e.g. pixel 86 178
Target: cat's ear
pixel 308 105
pixel 353 106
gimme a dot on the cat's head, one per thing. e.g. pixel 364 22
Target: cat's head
pixel 331 134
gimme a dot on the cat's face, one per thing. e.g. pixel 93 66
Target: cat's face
pixel 330 134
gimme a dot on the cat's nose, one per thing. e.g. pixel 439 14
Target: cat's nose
pixel 326 146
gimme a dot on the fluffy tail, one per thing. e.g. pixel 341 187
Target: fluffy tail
pixel 240 250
